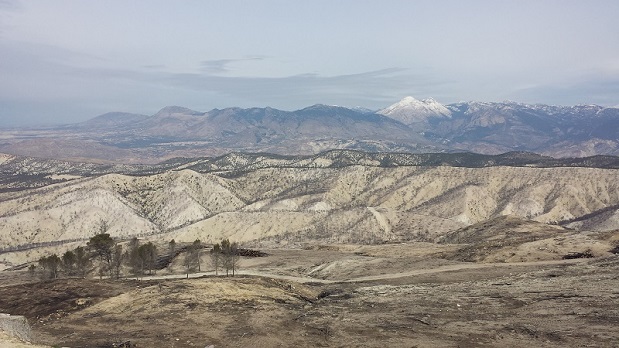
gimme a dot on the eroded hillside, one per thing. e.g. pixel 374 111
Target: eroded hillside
pixel 310 201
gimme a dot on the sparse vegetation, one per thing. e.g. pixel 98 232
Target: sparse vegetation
pixel 309 208
pixel 294 200
pixel 403 294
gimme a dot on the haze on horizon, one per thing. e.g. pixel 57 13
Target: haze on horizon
pixel 66 61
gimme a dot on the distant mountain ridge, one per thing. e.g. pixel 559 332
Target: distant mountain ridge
pixel 113 119
pixel 409 125
pixel 18 172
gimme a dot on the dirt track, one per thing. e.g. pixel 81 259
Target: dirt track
pixel 388 276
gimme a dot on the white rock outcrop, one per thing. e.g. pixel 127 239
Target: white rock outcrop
pixel 15 326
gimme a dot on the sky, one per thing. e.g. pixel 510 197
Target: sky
pixel 66 61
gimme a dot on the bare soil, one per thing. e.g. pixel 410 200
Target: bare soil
pixel 401 295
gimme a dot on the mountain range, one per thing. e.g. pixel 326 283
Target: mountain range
pixel 409 125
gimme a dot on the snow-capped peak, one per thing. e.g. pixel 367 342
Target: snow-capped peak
pixel 410 110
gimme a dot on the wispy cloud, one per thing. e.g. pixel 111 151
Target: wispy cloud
pixel 365 88
pixel 220 66
pixel 600 90
pixel 67 70
pixel 61 79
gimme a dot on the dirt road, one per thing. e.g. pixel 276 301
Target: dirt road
pixel 411 273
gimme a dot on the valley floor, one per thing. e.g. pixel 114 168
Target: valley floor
pixel 400 295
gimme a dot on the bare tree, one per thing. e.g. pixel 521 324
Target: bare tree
pixel 234 257
pixel 197 245
pixel 117 260
pixel 225 249
pixel 230 256
pixel 132 258
pixel 216 258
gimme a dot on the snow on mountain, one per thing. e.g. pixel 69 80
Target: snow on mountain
pixel 410 110
pixel 409 125
pixel 363 110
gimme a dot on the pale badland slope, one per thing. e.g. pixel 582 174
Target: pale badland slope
pixel 288 206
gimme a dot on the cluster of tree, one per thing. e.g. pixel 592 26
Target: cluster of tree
pixel 73 263
pixel 107 253
pixel 138 258
pixel 141 258
pixel 50 265
pixel 225 255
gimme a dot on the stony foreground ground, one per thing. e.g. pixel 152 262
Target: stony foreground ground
pixel 383 296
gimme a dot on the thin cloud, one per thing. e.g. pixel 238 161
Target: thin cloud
pixel 62 79
pixel 221 66
pixel 600 91
pixel 289 91
pixel 304 88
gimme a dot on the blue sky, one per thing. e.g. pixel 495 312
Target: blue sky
pixel 66 61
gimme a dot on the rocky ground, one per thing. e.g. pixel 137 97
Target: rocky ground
pixel 397 295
